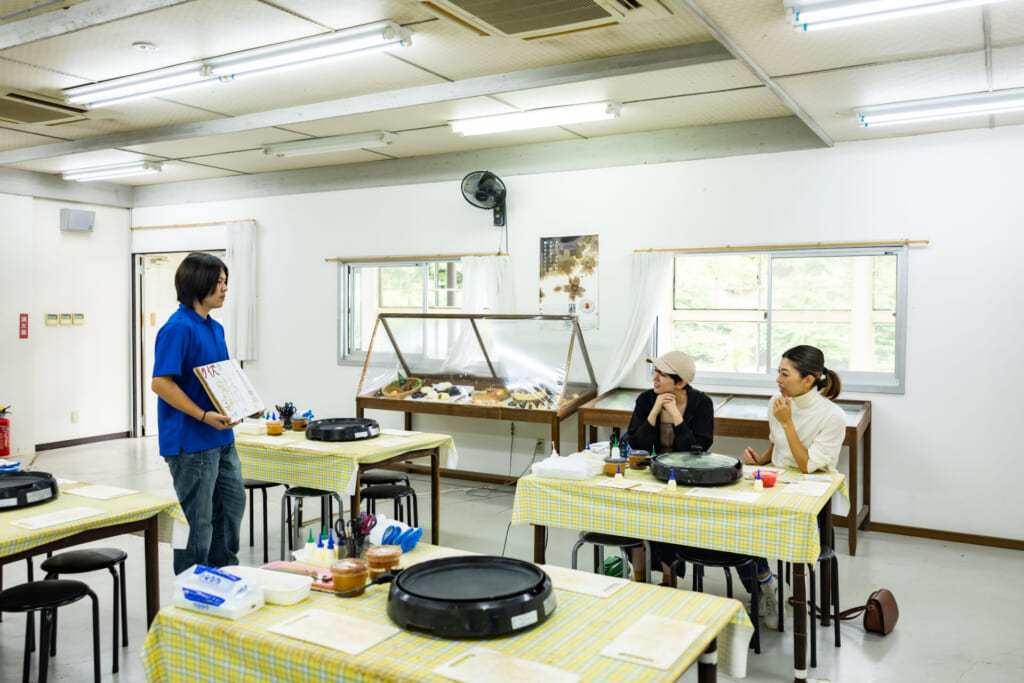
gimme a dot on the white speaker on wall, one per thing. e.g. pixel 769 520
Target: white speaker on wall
pixel 77 220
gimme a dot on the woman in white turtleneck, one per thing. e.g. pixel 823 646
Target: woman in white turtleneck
pixel 806 430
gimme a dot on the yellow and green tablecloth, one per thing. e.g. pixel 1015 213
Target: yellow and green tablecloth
pixel 185 645
pixel 289 459
pixel 779 525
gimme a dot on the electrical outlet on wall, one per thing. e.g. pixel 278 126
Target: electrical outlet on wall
pixel 538 447
pixel 74 417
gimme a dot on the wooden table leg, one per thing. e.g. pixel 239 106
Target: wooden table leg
pixel 707 664
pixel 580 434
pixel 867 479
pixel 799 622
pixel 555 434
pixel 539 532
pixel 435 495
pixel 851 516
pixel 152 560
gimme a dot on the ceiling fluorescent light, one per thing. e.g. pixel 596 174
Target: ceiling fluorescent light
pixel 114 171
pixel 537 118
pixel 811 15
pixel 378 36
pixel 377 138
pixel 935 109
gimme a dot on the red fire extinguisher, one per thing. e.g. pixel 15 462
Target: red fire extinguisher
pixel 5 431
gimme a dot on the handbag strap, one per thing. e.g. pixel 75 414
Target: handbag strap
pixel 852 613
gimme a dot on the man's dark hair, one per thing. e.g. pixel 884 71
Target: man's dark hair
pixel 197 276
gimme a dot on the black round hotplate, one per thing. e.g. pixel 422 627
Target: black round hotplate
pixel 21 489
pixel 697 469
pixel 476 596
pixel 342 429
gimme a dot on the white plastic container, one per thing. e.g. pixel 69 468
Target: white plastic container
pixel 279 588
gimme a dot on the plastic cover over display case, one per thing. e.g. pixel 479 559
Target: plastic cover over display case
pixel 509 362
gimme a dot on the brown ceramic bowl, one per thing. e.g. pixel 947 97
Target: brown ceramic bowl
pixel 350 574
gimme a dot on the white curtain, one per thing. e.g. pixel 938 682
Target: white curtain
pixel 486 285
pixel 649 288
pixel 240 313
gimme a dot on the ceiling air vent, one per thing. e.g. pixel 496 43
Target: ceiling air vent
pixel 21 107
pixel 541 18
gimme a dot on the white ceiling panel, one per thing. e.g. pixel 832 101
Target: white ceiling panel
pixel 255 161
pixel 1008 67
pixel 74 162
pixel 344 77
pixel 831 97
pixel 13 139
pixel 443 140
pixel 194 30
pixel 335 15
pixel 1007 22
pixel 652 85
pixel 176 172
pixel 763 31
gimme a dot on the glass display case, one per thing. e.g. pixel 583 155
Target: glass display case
pixel 746 416
pixel 528 368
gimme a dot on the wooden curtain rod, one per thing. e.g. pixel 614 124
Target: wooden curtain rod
pixel 408 258
pixel 765 247
pixel 190 225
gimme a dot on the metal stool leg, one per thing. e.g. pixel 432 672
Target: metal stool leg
pixel 575 549
pixel 728 582
pixel 95 636
pixel 250 517
pixel 30 639
pixel 266 537
pixel 624 554
pixel 415 509
pixel 812 621
pixel 116 619
pixel 124 608
pixel 285 524
pixel 45 637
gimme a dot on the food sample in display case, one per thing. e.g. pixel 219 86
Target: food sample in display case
pixel 531 368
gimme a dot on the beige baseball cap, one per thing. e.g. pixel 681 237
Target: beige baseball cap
pixel 675 363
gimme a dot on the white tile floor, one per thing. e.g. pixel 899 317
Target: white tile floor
pixel 958 606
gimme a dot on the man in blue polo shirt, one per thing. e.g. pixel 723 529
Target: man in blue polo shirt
pixel 196 441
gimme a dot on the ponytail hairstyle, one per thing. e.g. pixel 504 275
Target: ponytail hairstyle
pixel 809 360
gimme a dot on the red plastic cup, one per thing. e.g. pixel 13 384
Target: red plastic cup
pixel 768 478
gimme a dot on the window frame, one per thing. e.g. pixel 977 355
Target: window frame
pixel 853 381
pixel 345 308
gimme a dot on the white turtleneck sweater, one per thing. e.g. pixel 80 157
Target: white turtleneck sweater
pixel 820 425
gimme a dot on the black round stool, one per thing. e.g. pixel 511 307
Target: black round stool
pixel 46 597
pixel 251 485
pixel 382 476
pixel 90 560
pixel 293 495
pixel 397 493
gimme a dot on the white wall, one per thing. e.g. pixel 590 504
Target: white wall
pixel 943 452
pixel 16 277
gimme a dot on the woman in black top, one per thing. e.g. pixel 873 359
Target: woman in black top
pixel 673 416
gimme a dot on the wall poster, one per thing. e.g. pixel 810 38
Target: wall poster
pixel 568 278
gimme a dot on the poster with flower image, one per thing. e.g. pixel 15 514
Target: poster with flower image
pixel 568 278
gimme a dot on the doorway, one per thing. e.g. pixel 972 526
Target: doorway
pixel 157 300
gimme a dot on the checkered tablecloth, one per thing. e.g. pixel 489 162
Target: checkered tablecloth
pixel 288 460
pixel 131 508
pixel 778 526
pixel 184 645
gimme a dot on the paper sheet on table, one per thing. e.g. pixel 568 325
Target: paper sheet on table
pixel 270 440
pixel 398 432
pixel 587 583
pixel 100 492
pixel 808 488
pixel 654 641
pixel 614 483
pixel 54 518
pixel 818 477
pixel 725 494
pixel 341 632
pixel 651 488
pixel 483 664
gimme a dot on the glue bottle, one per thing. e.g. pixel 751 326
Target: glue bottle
pixel 310 546
pixel 332 552
pixel 616 453
pixel 671 479
pixel 321 551
pixel 758 482
pixel 618 471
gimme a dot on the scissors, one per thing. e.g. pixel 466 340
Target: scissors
pixel 366 522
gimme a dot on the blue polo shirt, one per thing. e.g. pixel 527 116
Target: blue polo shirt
pixel 186 341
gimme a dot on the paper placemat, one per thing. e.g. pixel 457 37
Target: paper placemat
pixel 654 641
pixel 100 492
pixel 818 477
pixel 398 432
pixel 483 664
pixel 54 518
pixel 651 488
pixel 587 583
pixel 614 483
pixel 723 494
pixel 341 632
pixel 808 488
pixel 269 440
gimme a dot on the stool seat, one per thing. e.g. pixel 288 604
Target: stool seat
pixel 623 543
pixel 595 538
pixel 397 493
pixel 289 513
pixel 381 476
pixel 307 492
pixel 259 484
pixel 384 491
pixel 37 595
pixel 80 561
pixel 711 558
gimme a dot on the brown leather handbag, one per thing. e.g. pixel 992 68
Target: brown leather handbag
pixel 880 612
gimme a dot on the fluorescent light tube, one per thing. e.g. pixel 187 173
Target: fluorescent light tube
pixel 114 171
pixel 537 118
pixel 937 108
pixel 360 40
pixel 808 15
pixel 377 138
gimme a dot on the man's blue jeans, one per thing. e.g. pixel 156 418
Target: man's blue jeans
pixel 210 491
